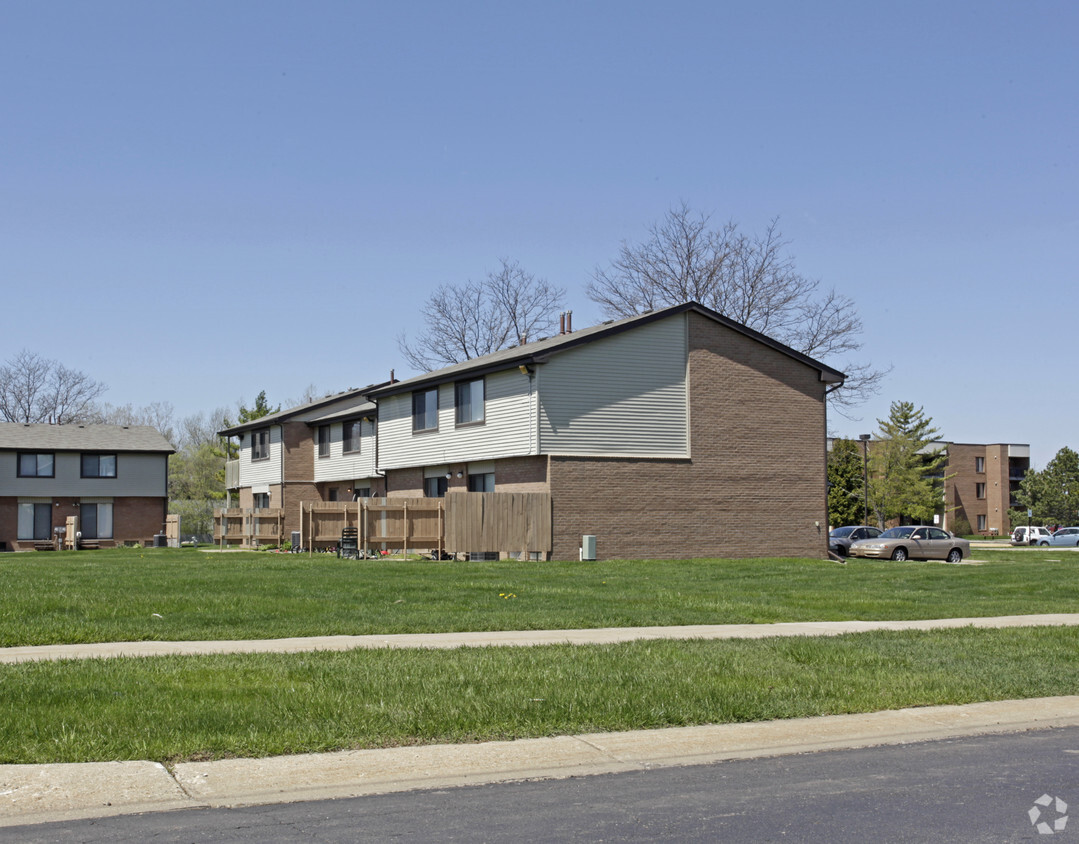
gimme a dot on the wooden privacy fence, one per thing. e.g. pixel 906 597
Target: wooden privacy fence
pixel 473 522
pixel 249 528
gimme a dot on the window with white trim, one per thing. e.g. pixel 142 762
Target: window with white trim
pixel 469 402
pixel 425 410
pixel 260 444
pixel 352 433
pixel 323 441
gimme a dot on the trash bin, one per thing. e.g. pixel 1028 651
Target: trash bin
pixel 160 540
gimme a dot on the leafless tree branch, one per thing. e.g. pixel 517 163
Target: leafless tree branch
pixel 465 321
pixel 34 389
pixel 749 278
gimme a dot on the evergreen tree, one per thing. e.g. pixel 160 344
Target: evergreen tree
pixel 846 505
pixel 906 466
pixel 260 409
pixel 1052 494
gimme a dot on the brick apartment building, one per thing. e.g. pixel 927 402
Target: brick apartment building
pixel 671 434
pixel 114 478
pixel 983 483
pixel 979 482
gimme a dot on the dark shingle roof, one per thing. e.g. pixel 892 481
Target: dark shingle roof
pixel 15 435
pixel 538 351
pixel 283 415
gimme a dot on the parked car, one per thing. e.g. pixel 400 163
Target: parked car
pixel 1024 535
pixel 917 542
pixel 1067 537
pixel 839 540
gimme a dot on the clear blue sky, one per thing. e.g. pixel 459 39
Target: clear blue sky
pixel 201 200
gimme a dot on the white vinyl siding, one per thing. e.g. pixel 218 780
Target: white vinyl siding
pixel 261 471
pixel 507 430
pixel 342 466
pixel 623 395
pixel 137 474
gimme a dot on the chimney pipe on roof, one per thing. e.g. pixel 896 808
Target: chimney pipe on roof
pixel 562 322
pixel 569 322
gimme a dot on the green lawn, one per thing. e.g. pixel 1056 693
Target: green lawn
pixel 138 594
pixel 175 708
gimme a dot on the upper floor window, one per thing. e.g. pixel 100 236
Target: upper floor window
pixel 979 490
pixel 352 436
pixel 979 464
pixel 99 466
pixel 38 465
pixel 468 400
pixel 260 444
pixel 425 410
pixel 323 440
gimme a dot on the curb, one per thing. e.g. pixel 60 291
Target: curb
pixel 31 794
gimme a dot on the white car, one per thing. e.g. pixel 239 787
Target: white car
pixel 1024 535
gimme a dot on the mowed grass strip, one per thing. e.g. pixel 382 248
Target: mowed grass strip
pixel 163 594
pixel 176 708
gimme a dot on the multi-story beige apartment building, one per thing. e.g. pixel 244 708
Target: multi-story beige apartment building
pixel 671 434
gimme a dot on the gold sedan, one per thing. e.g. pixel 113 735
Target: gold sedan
pixel 914 542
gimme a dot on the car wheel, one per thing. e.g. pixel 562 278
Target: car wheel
pixel 899 555
pixel 955 556
pixel 1044 544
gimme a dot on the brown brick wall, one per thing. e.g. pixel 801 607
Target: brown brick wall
pixel 405 483
pixel 753 486
pixel 961 488
pixel 133 520
pixel 9 522
pixel 138 519
pixel 297 452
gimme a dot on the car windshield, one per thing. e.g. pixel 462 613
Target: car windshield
pixel 841 532
pixel 897 533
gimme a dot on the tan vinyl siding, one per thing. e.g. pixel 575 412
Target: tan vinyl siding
pixel 505 432
pixel 622 395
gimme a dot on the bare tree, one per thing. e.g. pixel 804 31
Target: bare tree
pixel 748 278
pixel 34 389
pixel 461 322
pixel 159 414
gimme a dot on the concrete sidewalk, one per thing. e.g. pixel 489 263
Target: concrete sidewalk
pixel 31 794
pixel 521 638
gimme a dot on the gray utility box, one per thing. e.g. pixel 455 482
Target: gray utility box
pixel 588 547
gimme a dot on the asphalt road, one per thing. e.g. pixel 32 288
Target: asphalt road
pixel 960 790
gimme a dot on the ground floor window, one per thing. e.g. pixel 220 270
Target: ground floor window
pixel 35 520
pixel 484 482
pixel 435 487
pixel 981 522
pixel 95 520
pixel 260 500
pixel 361 492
